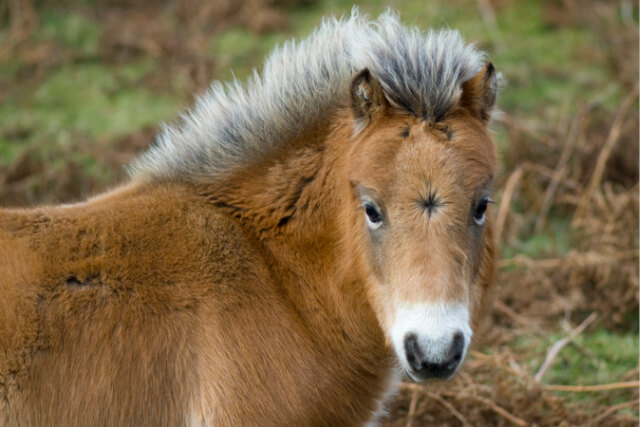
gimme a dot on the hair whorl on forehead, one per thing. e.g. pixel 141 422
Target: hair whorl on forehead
pixel 301 83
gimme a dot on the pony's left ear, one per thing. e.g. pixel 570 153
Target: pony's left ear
pixel 480 92
pixel 367 98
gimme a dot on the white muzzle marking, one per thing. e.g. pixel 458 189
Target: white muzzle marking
pixel 431 340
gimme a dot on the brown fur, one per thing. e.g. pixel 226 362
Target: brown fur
pixel 249 302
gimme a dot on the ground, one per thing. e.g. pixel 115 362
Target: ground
pixel 84 85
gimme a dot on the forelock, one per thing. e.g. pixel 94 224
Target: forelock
pixel 420 71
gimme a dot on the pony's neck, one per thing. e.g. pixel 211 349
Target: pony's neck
pixel 294 205
pixel 293 202
pixel 268 196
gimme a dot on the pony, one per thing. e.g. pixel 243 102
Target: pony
pixel 281 256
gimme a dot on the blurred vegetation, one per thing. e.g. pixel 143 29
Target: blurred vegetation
pixel 84 85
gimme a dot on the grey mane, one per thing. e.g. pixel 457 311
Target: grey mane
pixel 232 125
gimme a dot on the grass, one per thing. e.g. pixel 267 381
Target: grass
pixel 609 357
pixel 94 99
pixel 597 357
pixel 71 29
pixel 91 100
pixel 554 242
pixel 88 99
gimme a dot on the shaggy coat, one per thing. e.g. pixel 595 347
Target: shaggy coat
pixel 242 277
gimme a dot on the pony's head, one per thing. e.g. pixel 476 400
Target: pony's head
pixel 420 192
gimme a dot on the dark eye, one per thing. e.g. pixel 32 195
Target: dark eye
pixel 374 217
pixel 479 215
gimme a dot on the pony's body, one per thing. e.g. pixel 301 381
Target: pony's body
pixel 205 292
pixel 111 316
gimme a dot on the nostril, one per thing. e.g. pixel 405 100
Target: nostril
pixel 412 351
pixel 457 347
pixel 458 340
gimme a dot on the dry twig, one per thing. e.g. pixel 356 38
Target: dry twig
pixel 450 407
pixel 588 388
pixel 412 407
pixel 548 173
pixel 559 345
pixel 507 194
pixel 503 308
pixel 572 258
pixel 558 174
pixel 631 374
pixel 500 411
pixel 614 408
pixel 513 180
pixel 612 138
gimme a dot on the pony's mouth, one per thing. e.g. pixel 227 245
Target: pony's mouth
pixel 444 374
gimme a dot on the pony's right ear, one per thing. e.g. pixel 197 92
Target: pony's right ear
pixel 367 98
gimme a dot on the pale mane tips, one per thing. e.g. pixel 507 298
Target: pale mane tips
pixel 302 82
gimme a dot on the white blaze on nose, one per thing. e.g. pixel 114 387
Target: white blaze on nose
pixel 434 326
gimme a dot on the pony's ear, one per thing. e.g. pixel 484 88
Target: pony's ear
pixel 480 92
pixel 367 97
